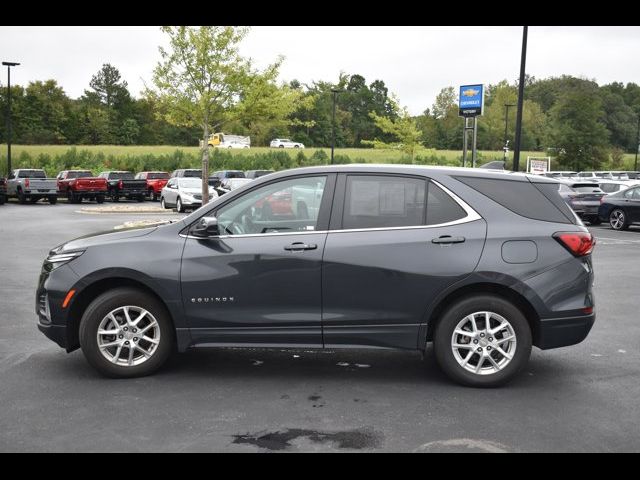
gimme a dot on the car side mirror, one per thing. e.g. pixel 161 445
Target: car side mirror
pixel 206 227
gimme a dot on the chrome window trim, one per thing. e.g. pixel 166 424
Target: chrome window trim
pixel 471 216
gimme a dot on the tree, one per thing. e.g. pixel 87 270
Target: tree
pixel 129 132
pixel 108 86
pixel 202 80
pixel 577 131
pixel 404 129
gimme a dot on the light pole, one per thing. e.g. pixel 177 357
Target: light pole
pixel 523 61
pixel 9 65
pixel 506 123
pixel 335 92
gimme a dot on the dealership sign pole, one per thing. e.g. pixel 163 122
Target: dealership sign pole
pixel 470 106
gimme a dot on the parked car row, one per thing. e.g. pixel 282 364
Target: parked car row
pixel 595 175
pixel 598 200
pixel 184 189
pixel 32 185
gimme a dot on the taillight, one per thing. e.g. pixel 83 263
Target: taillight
pixel 578 244
pixel 26 182
pixel 120 184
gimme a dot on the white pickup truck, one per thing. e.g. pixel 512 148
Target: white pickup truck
pixel 31 185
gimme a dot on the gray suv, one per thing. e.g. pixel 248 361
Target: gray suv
pixel 482 264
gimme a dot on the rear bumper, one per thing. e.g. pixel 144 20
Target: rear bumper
pixel 562 332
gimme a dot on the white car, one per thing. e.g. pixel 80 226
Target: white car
pixel 285 143
pixel 184 192
pixel 229 184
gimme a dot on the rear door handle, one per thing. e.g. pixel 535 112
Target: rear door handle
pixel 447 239
pixel 299 246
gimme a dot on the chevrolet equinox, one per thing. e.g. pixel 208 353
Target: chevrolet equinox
pixel 482 264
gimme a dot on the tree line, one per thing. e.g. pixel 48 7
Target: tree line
pixel 576 120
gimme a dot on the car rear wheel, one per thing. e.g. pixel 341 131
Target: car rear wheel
pixel 126 333
pixel 100 199
pixel 22 198
pixel 53 200
pixel 618 219
pixel 482 341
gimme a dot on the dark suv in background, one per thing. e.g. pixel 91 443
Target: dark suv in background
pixel 483 264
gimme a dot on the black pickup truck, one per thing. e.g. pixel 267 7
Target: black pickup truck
pixel 3 190
pixel 122 184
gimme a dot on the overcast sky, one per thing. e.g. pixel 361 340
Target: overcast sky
pixel 414 62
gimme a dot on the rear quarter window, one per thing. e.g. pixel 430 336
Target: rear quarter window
pixel 540 201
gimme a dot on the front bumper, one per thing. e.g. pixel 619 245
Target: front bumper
pixel 57 333
pixel 562 332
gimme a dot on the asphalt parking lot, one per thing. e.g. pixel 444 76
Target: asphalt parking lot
pixel 581 398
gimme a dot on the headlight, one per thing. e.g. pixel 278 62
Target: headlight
pixel 55 260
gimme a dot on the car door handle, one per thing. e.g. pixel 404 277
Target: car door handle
pixel 299 246
pixel 447 239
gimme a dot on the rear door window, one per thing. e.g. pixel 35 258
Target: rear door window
pixel 441 208
pixel 378 201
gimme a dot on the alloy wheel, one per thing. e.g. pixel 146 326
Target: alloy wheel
pixel 128 336
pixel 483 343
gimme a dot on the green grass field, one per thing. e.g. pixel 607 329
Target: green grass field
pixel 368 155
pixel 54 158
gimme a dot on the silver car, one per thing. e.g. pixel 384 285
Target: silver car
pixel 184 192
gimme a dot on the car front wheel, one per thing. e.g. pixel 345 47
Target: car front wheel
pixel 482 341
pixel 126 333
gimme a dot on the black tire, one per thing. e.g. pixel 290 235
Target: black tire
pixel 618 219
pixel 71 198
pixel 461 309
pixel 100 308
pixel 100 199
pixel 3 199
pixel 34 199
pixel 54 199
pixel 162 203
pixel 179 206
pixel 280 146
pixel 140 198
pixel 595 221
pixel 22 198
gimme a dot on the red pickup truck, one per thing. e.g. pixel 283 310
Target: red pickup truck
pixel 155 183
pixel 77 185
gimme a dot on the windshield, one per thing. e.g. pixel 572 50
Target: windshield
pixel 82 174
pixel 190 183
pixel 193 173
pixel 121 176
pixel 157 176
pixel 32 174
pixel 588 189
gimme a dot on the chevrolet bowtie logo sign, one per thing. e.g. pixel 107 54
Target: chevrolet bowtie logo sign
pixel 471 100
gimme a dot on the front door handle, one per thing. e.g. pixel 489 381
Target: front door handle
pixel 299 246
pixel 447 239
